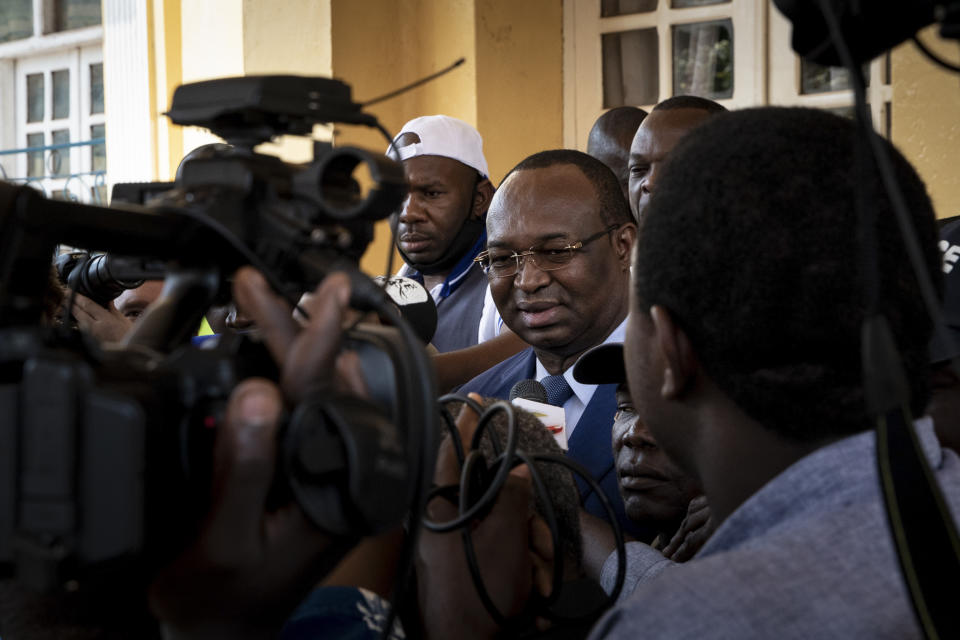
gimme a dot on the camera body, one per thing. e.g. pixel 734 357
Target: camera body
pixel 107 450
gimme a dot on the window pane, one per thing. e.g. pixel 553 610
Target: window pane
pixel 35 97
pixel 816 78
pixel 703 59
pixel 60 158
pixel 16 20
pixel 630 68
pixel 682 4
pixel 98 162
pixel 96 88
pixel 73 14
pixel 34 158
pixel 850 111
pixel 844 112
pixel 61 94
pixel 622 7
pixel 98 152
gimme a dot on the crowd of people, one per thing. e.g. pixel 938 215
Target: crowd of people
pixel 691 292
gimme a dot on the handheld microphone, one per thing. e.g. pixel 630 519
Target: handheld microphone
pixel 415 304
pixel 529 390
pixel 531 396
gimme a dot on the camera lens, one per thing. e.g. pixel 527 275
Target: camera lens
pixel 91 276
pixel 356 184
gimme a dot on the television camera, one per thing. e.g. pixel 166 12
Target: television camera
pixel 105 451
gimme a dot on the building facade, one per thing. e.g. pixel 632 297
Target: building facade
pixel 537 74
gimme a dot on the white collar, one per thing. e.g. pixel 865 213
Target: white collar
pixel 584 392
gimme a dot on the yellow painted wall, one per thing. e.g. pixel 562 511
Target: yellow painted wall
pixel 381 45
pixel 292 40
pixel 218 38
pixel 212 47
pixel 212 39
pixel 519 79
pixel 926 118
pixel 292 36
pixel 168 75
pixel 513 54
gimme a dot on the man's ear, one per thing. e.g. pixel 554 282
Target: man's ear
pixel 541 555
pixel 623 240
pixel 482 196
pixel 680 362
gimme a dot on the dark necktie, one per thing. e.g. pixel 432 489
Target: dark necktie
pixel 558 391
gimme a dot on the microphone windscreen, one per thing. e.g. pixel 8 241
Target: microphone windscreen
pixel 529 390
pixel 415 304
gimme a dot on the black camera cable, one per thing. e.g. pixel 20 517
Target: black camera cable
pixel 933 57
pixel 924 535
pixel 467 513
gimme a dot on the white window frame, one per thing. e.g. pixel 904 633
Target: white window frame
pixel 77 62
pixel 766 69
pixel 785 78
pixel 583 56
pixel 45 52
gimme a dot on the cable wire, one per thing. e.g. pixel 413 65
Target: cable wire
pixel 888 178
pixel 908 453
pixel 413 85
pixel 468 513
pixel 490 495
pixel 946 64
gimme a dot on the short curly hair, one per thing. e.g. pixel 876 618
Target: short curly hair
pixel 751 241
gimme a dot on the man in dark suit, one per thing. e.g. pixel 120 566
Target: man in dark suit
pixel 559 236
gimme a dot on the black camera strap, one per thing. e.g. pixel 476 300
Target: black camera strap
pixel 924 533
pixel 923 529
pixel 926 539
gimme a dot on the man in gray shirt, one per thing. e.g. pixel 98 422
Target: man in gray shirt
pixel 440 229
pixel 743 358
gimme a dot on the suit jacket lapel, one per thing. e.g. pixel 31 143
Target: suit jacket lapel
pixel 524 368
pixel 590 444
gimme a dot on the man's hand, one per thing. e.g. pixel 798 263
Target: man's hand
pixel 694 531
pixel 106 325
pixel 509 542
pixel 250 566
pixel 306 351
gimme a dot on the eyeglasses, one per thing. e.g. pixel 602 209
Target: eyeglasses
pixel 503 263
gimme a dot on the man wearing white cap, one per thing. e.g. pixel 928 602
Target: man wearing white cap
pixel 441 228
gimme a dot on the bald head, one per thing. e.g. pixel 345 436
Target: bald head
pixel 656 136
pixel 610 138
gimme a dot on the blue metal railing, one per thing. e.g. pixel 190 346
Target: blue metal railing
pixel 79 186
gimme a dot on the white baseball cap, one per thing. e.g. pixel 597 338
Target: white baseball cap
pixel 443 136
